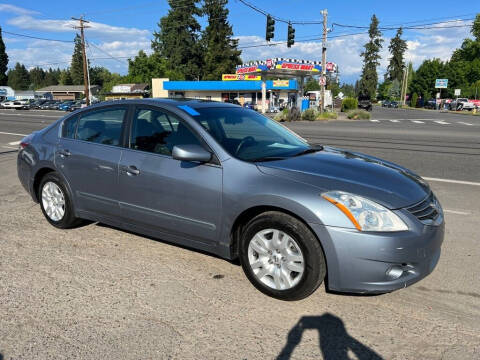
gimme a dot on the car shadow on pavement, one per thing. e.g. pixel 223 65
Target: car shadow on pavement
pixel 334 341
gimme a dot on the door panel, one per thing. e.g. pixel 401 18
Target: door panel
pixel 180 198
pixel 88 157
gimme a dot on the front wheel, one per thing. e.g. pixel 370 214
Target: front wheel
pixel 281 256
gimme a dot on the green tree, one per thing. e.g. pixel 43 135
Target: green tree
pixel 37 78
pixel 3 61
pixel 76 67
pixel 18 78
pixel 52 77
pixel 221 54
pixel 311 85
pixel 394 91
pixel 177 40
pixel 397 49
pixel 423 81
pixel 348 90
pixel 99 75
pixel 371 57
pixel 476 28
pixel 145 67
pixel 384 90
pixel 65 77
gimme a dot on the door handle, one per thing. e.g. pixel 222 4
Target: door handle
pixel 64 153
pixel 132 170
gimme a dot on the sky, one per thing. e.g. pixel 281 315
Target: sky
pixel 120 28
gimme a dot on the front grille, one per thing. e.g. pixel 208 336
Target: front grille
pixel 427 210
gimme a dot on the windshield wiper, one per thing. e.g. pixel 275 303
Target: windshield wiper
pixel 310 150
pixel 268 158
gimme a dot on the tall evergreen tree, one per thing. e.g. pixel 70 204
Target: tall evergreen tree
pixel 177 39
pixel 37 78
pixel 18 78
pixel 397 48
pixel 371 56
pixel 65 77
pixel 3 61
pixel 52 77
pixel 76 68
pixel 221 51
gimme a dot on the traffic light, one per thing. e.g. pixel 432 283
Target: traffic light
pixel 291 35
pixel 270 28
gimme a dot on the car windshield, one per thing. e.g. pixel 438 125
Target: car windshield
pixel 250 136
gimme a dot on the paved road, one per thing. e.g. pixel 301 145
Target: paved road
pixel 98 292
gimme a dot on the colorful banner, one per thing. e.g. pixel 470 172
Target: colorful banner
pixel 235 77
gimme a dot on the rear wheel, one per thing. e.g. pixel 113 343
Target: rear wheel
pixel 56 203
pixel 281 256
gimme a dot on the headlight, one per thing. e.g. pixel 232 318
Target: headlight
pixel 365 214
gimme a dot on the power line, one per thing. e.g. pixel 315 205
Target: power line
pixel 416 27
pixel 35 37
pixel 276 18
pixel 103 51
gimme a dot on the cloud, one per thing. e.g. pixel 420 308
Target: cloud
pixel 16 10
pixel 95 30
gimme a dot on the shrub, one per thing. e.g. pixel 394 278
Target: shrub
pixel 326 115
pixel 309 114
pixel 294 114
pixel 358 114
pixel 349 104
pixel 413 102
pixel 281 116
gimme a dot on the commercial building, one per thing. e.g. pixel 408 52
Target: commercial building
pixel 128 91
pixel 69 92
pixel 278 92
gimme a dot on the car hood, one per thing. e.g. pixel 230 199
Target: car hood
pixel 386 183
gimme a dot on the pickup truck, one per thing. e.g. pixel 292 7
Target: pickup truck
pixel 461 104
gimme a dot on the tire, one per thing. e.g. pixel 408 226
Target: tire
pixel 292 285
pixel 67 220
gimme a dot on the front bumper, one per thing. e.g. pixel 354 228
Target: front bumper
pixel 363 262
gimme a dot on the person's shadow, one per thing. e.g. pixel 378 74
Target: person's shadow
pixel 334 341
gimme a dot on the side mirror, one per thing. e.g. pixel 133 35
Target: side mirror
pixel 191 152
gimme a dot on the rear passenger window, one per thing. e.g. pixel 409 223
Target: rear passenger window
pixel 103 126
pixel 69 127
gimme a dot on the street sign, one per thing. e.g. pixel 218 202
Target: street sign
pixel 322 80
pixel 457 92
pixel 441 83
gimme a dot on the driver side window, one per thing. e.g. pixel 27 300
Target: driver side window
pixel 158 132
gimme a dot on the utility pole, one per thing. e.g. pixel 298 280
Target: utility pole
pixel 403 92
pixel 81 26
pixel 324 59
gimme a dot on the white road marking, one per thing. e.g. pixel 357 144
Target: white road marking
pixel 453 181
pixel 456 212
pixel 375 120
pixel 14 143
pixel 464 123
pixel 418 122
pixel 441 122
pixel 10 147
pixel 395 121
pixel 15 134
pixel 32 115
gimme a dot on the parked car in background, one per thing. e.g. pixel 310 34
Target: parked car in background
pixel 393 104
pixel 230 181
pixel 65 106
pixel 461 104
pixel 385 103
pixel 431 104
pixel 17 105
pixel 249 105
pixel 365 104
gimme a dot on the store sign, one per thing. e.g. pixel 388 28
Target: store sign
pixel 248 69
pixel 330 66
pixel 281 83
pixel 294 66
pixel 441 83
pixel 236 77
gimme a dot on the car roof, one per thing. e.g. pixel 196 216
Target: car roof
pixel 193 103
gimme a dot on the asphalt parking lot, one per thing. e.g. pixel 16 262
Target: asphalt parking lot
pixel 97 291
